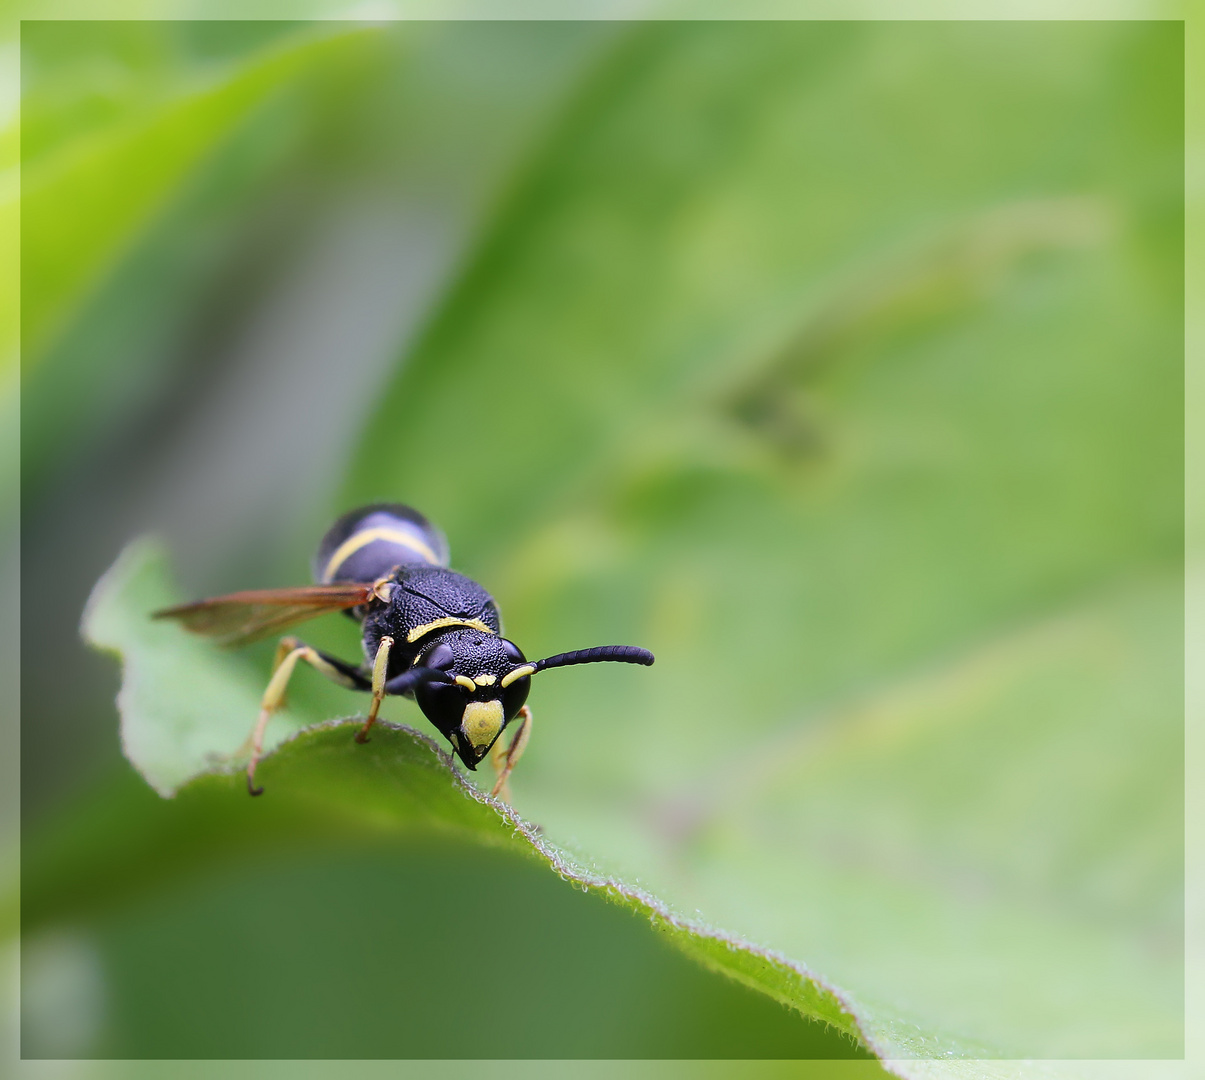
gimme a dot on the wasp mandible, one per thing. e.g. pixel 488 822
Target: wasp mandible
pixel 429 634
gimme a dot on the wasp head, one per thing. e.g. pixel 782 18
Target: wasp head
pixel 477 692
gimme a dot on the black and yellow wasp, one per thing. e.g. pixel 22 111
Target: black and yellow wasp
pixel 428 633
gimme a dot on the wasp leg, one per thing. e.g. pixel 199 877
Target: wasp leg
pixel 379 668
pixel 285 646
pixel 288 652
pixel 504 761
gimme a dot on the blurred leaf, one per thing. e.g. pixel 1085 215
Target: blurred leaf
pixel 409 971
pixel 135 199
pixel 88 199
pixel 400 132
pixel 79 76
pixel 183 701
pixel 841 366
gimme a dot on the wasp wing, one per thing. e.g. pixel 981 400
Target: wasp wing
pixel 240 617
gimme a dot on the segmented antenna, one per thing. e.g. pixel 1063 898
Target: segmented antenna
pixel 620 654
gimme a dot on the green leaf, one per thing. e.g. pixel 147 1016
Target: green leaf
pixel 88 198
pixel 185 706
pixel 133 196
pixel 183 701
pixel 840 365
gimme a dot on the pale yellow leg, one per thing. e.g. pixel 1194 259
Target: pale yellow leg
pixel 285 646
pixel 380 667
pixel 288 652
pixel 287 655
pixel 504 760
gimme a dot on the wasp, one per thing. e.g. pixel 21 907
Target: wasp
pixel 428 633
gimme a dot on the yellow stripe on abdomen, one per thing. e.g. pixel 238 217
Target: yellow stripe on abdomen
pixel 360 540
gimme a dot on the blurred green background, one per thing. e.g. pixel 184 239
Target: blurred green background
pixel 839 364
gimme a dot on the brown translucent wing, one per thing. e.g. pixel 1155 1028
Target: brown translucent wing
pixel 244 616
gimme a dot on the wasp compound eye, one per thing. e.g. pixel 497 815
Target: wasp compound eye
pixel 442 703
pixel 440 657
pixel 514 696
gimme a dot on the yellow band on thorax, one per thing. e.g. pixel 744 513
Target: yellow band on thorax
pixel 439 624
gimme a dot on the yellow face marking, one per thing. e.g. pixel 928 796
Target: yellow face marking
pixel 362 539
pixel 518 673
pixel 484 680
pixel 439 624
pixel 481 722
pixel 467 683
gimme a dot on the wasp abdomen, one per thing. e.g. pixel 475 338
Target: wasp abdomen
pixel 367 543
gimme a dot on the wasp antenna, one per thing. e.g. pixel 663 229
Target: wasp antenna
pixel 619 654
